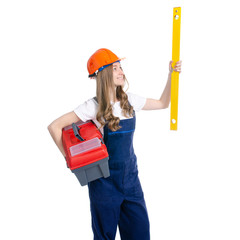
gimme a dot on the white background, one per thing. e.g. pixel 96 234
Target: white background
pixel 190 177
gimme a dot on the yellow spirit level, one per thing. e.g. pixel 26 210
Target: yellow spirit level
pixel 175 75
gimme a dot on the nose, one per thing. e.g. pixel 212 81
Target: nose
pixel 120 71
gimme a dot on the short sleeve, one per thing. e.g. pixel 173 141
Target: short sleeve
pixel 87 110
pixel 136 101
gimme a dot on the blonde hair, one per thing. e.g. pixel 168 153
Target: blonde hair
pixel 105 86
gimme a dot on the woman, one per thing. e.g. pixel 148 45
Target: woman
pixel 117 200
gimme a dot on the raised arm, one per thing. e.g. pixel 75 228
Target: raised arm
pixel 55 128
pixel 164 101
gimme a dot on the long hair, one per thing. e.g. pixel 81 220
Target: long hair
pixel 105 86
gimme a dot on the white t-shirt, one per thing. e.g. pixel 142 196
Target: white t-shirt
pixel 88 110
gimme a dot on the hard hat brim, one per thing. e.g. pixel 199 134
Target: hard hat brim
pixel 101 68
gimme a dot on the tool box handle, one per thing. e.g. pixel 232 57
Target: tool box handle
pixel 76 131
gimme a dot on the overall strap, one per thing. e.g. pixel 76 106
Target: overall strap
pixel 95 98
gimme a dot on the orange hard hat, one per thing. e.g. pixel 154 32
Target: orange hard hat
pixel 100 60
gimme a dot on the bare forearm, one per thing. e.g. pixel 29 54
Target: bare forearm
pixel 55 128
pixel 56 134
pixel 166 95
pixel 164 101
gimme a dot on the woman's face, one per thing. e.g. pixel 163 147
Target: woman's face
pixel 118 75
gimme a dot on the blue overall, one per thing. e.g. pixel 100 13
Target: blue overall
pixel 118 200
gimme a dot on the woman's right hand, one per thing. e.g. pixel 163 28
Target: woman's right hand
pixel 55 128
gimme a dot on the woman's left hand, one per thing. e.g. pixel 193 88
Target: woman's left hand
pixel 177 67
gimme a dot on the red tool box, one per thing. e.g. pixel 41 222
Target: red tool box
pixel 86 153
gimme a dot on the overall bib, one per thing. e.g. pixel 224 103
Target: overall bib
pixel 118 200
